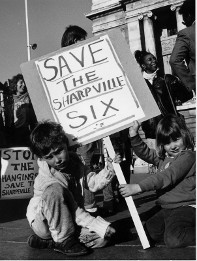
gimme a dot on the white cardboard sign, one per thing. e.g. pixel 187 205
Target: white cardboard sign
pixel 86 88
pixel 18 171
pixel 93 88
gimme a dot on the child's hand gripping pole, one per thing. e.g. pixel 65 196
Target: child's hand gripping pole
pixel 129 200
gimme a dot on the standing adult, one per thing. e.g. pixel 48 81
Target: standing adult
pixel 183 57
pixel 22 118
pixel 3 137
pixel 164 88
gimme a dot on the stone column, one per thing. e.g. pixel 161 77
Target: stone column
pixel 149 33
pixel 134 34
pixel 179 18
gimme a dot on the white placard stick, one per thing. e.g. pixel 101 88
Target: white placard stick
pixel 129 200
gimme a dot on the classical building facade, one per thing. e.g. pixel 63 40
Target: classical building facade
pixel 150 25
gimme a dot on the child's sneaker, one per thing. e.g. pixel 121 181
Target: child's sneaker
pixel 72 247
pixel 37 242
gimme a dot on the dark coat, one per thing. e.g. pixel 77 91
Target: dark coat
pixel 184 50
pixel 165 102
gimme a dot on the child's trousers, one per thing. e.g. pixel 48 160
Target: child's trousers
pixel 175 226
pixel 55 219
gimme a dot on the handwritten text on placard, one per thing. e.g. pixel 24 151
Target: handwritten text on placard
pixel 18 171
pixel 88 90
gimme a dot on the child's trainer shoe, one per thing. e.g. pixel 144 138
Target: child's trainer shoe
pixel 37 242
pixel 72 247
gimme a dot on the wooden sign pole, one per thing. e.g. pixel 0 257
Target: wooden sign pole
pixel 129 200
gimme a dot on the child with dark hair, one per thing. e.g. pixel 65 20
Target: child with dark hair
pixel 56 212
pixel 175 182
pixel 22 118
pixel 72 35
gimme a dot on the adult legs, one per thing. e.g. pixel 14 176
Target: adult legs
pixel 109 201
pixel 87 152
pixel 89 201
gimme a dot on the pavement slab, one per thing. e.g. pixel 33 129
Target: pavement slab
pixel 15 230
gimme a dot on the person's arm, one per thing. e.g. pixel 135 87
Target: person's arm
pixel 127 190
pixel 171 176
pixel 98 181
pixel 98 224
pixel 179 56
pixel 140 148
pixel 176 172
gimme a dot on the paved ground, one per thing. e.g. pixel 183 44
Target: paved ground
pixel 14 231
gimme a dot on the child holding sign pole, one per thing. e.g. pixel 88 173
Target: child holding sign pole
pixel 174 181
pixel 56 212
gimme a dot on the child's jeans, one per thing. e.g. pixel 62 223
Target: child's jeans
pixel 175 226
pixel 55 219
pixel 86 152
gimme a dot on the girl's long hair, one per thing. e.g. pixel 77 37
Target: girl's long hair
pixel 14 81
pixel 170 128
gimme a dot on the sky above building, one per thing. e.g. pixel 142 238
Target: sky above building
pixel 47 21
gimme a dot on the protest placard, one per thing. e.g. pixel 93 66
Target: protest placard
pixel 93 88
pixel 18 171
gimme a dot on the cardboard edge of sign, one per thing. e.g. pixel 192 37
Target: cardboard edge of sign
pixel 129 65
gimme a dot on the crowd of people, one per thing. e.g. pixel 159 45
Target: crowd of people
pixel 63 213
